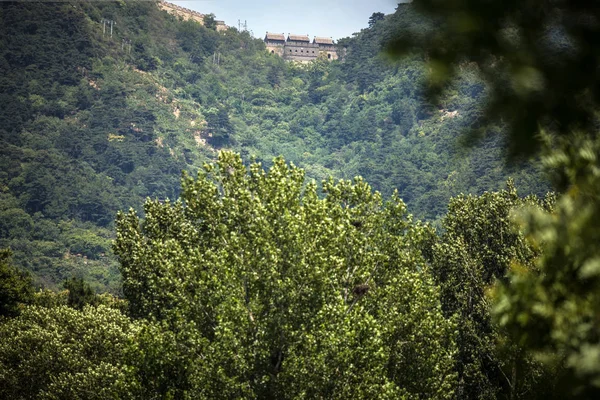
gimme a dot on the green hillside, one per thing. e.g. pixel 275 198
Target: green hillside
pixel 186 216
pixel 94 122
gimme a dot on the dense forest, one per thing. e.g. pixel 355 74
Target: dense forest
pixel 109 120
pixel 184 215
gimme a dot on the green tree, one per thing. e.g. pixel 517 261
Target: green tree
pixel 80 293
pixel 210 22
pixel 137 106
pixel 15 223
pixel 479 243
pixel 375 17
pixel 277 293
pixel 540 61
pixel 218 125
pixel 555 312
pixel 60 352
pixel 15 286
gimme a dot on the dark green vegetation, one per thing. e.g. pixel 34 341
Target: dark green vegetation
pixel 92 124
pixel 259 283
pixel 254 286
pixel 541 62
pixel 538 58
pixel 15 286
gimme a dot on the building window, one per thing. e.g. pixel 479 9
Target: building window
pixel 272 51
pixel 328 55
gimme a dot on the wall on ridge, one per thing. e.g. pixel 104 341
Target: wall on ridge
pixel 188 14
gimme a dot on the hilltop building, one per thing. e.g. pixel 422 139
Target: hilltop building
pixel 299 47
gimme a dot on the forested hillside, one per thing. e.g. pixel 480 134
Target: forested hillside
pixel 96 119
pixel 181 215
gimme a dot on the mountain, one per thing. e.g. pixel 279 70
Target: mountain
pixel 105 103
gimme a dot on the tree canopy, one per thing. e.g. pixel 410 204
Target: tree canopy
pixel 315 297
pixel 15 286
pixel 251 280
pixel 540 60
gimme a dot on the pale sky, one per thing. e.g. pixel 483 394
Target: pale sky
pixel 329 18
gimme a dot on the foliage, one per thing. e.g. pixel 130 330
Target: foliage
pixel 540 61
pixel 80 293
pixel 555 312
pixel 538 58
pixel 15 286
pixel 315 297
pixel 159 95
pixel 210 22
pixel 476 250
pixel 59 352
pixel 258 284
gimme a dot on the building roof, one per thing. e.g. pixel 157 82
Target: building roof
pixel 298 38
pixel 323 40
pixel 275 36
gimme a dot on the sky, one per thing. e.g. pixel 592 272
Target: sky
pixel 329 18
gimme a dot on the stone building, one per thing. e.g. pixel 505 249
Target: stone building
pixel 275 43
pixel 299 47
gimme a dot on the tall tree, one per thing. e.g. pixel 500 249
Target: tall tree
pixel 278 293
pixel 479 243
pixel 80 293
pixel 60 352
pixel 555 312
pixel 540 61
pixel 15 286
